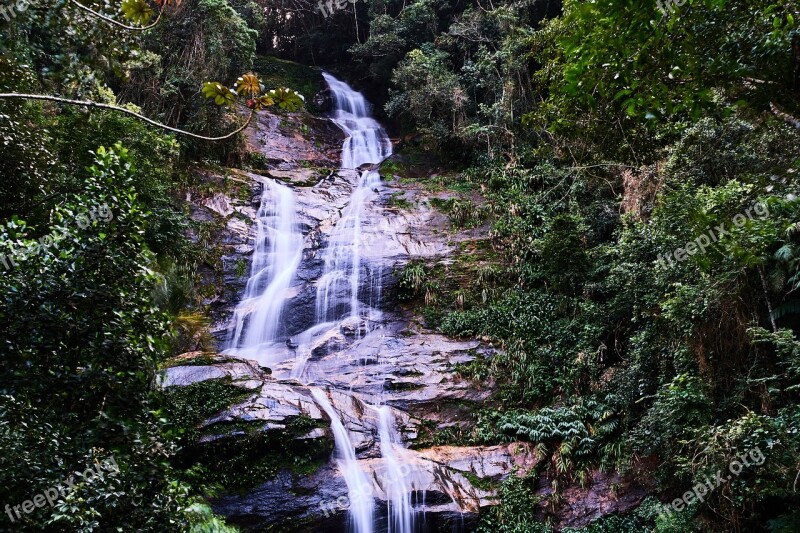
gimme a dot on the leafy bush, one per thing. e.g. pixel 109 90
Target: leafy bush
pixel 81 348
pixel 517 510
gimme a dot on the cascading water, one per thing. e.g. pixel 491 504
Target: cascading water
pixel 400 516
pixel 359 486
pixel 277 254
pixel 366 142
pixel 346 290
pixel 338 297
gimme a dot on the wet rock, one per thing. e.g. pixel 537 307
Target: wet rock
pixel 268 505
pixel 293 137
pixel 220 204
pixel 275 403
pixel 188 375
pixel 321 499
pixel 300 311
pixel 353 327
pixel 329 342
pixel 424 361
pixel 301 176
pixel 606 493
pixel 272 401
pixel 323 101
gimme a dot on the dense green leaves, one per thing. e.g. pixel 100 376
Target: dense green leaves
pixel 81 346
pixel 137 11
pixel 221 95
pixel 651 146
pixel 286 98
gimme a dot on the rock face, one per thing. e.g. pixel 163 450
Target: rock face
pixel 285 140
pixel 389 361
pixel 323 101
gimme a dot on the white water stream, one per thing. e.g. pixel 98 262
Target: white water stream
pixel 400 514
pixel 366 142
pixel 278 250
pixel 258 330
pixel 359 486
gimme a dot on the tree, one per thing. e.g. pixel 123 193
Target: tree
pixel 140 12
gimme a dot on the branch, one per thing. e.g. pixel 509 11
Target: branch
pixel 786 117
pixel 766 297
pixel 90 104
pixel 116 22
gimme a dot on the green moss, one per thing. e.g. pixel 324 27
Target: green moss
pixel 245 456
pixel 187 407
pixel 483 483
pixel 241 267
pixel 398 200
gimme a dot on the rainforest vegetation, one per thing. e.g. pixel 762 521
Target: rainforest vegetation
pixel 603 142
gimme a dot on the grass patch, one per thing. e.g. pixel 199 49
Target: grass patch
pixel 429 434
pixel 483 483
pixel 442 204
pixel 391 168
pixel 398 200
pixel 477 370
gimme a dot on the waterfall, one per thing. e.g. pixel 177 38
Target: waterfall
pixel 345 290
pixel 359 486
pixel 278 250
pixel 366 142
pixel 400 514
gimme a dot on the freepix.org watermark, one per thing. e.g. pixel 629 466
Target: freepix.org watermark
pixel 333 5
pixel 102 213
pixel 10 10
pixel 711 236
pixel 699 491
pixel 668 6
pixel 363 491
pixel 52 495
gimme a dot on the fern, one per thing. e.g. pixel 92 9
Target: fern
pixel 581 435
